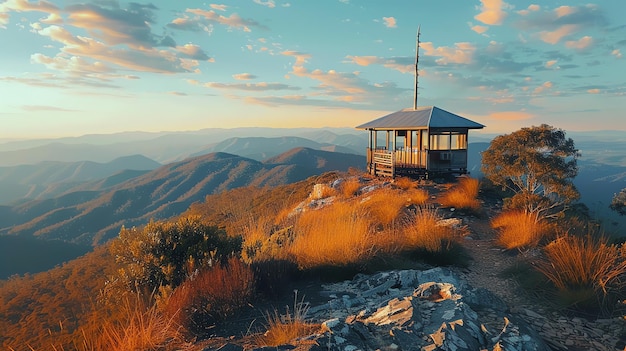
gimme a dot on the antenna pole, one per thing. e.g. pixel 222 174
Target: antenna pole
pixel 417 55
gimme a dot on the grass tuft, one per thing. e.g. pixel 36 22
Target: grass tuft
pixel 283 329
pixel 350 187
pixel 585 269
pixel 211 296
pixel 518 230
pixel 463 195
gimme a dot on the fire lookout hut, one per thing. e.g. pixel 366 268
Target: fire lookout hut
pixel 418 142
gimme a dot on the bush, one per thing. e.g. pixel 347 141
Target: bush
pixel 211 296
pixel 585 269
pixel 463 195
pixel 165 253
pixel 519 230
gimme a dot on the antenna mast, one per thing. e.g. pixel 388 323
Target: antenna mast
pixel 417 55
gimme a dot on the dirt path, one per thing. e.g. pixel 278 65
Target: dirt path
pixel 562 331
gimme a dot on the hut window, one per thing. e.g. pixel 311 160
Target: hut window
pixel 459 142
pixel 440 142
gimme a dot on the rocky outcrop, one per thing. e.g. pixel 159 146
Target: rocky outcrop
pixel 415 310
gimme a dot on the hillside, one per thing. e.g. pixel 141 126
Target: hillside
pixel 50 178
pixel 259 148
pixel 92 216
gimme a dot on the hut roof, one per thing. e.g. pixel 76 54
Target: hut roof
pixel 422 118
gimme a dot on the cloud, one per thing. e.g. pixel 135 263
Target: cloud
pixel 579 44
pixel 251 86
pixel 204 17
pixel 479 29
pixel 24 6
pixel 217 7
pixel 37 108
pixel 461 53
pixel 543 87
pixel 301 58
pixel 492 12
pixel 193 51
pixel 268 3
pixel 244 76
pixel 551 63
pixel 401 64
pixel 553 37
pixel 531 8
pixel 617 53
pixel 594 91
pixel 115 25
pixel 390 22
pixel 511 116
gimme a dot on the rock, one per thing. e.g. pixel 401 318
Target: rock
pixel 417 310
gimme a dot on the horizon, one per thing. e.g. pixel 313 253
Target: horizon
pixel 164 67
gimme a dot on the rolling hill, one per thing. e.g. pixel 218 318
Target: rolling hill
pixel 92 216
pixel 52 178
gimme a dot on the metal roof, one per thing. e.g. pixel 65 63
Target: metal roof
pixel 422 117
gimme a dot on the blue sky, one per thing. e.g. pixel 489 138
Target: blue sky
pixel 88 67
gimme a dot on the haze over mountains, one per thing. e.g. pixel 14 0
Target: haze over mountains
pixel 82 190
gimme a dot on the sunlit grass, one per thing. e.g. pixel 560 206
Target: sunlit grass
pixel 463 195
pixel 405 183
pixel 423 231
pixel 517 230
pixel 283 329
pixel 350 187
pixel 334 235
pixel 416 196
pixel 211 296
pixel 385 205
pixel 585 267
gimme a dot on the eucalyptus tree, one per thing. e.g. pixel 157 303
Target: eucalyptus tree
pixel 537 164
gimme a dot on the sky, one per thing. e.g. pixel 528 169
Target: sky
pixel 70 68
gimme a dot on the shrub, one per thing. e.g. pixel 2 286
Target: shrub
pixel 165 253
pixel 519 230
pixel 463 195
pixel 584 268
pixel 211 296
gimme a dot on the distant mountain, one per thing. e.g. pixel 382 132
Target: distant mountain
pixel 164 147
pixel 92 216
pixel 260 148
pixel 52 178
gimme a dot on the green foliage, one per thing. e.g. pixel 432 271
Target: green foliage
pixel 619 202
pixel 162 254
pixel 538 165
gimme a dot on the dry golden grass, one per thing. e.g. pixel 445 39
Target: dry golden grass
pixel 212 295
pixel 334 235
pixel 519 230
pixel 405 183
pixel 416 196
pixel 385 205
pixel 577 263
pixel 463 195
pixel 144 328
pixel 350 187
pixel 424 232
pixel 285 329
